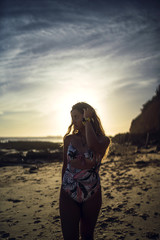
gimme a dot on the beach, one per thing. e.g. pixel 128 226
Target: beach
pixel 130 180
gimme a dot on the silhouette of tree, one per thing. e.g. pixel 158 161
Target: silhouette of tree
pixel 154 98
pixel 145 105
pixel 158 91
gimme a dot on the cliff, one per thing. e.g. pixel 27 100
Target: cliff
pixel 149 119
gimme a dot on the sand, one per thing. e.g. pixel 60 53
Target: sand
pixel 130 179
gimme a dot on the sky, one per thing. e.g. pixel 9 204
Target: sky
pixel 55 53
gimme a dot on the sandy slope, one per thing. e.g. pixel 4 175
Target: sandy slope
pixel 131 199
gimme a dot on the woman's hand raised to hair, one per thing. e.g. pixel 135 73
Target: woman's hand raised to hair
pixel 88 113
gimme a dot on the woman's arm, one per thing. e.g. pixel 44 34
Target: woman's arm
pixel 65 147
pixel 96 143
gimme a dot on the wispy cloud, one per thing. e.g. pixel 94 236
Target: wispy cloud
pixel 53 49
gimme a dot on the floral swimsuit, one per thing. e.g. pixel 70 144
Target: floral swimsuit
pixel 80 184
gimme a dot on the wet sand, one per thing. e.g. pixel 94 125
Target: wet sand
pixel 130 182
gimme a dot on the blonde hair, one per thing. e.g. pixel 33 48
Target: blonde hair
pixel 96 122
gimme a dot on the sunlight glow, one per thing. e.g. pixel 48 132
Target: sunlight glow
pixel 68 100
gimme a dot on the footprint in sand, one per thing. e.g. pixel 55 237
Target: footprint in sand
pixel 37 221
pixel 53 203
pixel 109 195
pixel 144 216
pixel 40 206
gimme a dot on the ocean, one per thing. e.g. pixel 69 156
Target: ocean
pixel 37 139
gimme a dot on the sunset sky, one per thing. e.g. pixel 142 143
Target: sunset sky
pixel 54 53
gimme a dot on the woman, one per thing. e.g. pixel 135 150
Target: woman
pixel 85 145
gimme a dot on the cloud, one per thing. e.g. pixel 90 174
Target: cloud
pixel 51 49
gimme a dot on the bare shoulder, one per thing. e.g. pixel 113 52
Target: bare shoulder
pixel 68 139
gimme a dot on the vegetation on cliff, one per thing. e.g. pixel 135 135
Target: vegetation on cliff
pixel 145 128
pixel 149 119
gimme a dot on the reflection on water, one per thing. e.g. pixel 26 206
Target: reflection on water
pixel 37 139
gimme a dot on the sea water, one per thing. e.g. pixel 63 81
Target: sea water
pixel 37 139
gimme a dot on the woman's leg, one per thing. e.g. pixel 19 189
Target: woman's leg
pixel 70 216
pixel 90 211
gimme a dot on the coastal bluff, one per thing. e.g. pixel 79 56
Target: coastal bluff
pixel 145 128
pixel 149 119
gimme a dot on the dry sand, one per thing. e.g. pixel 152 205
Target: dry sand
pixel 131 198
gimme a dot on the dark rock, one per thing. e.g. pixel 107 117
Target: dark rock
pixel 45 156
pixel 120 205
pixel 5 235
pixel 112 219
pixel 111 154
pixel 132 233
pixel 158 148
pixel 10 157
pixel 144 216
pixel 35 154
pixel 108 208
pixel 130 211
pixel 117 209
pixel 138 204
pixel 33 169
pixel 28 145
pixel 156 214
pixel 41 206
pixel 152 235
pixel 56 217
pixel 12 153
pixel 109 195
pixel 139 193
pixel 142 163
pixel 14 200
pixel 103 225
pixel 37 221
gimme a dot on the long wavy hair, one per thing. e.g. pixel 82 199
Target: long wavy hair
pixel 96 122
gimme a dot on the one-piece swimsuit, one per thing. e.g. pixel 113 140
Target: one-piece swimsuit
pixel 80 184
